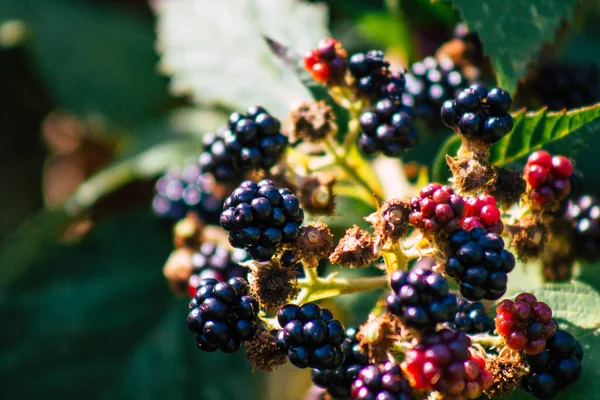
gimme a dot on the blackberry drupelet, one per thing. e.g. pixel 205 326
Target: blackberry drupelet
pixel 387 129
pixel 555 368
pixel 338 380
pixel 251 141
pixel 479 263
pixel 442 361
pixel 260 217
pixel 559 86
pixel 472 318
pixel 482 212
pixel 213 261
pixel 421 299
pixel 310 336
pixel 477 113
pixel 382 382
pixel 373 78
pixel 429 83
pixel 547 178
pixel 223 315
pixel 584 216
pixel 437 209
pixel 178 192
pixel 525 323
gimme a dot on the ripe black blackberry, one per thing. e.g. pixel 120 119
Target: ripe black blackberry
pixel 310 336
pixel 555 368
pixel 338 380
pixel 213 261
pixel 472 318
pixel 178 192
pixel 260 217
pixel 477 113
pixel 373 78
pixel 251 141
pixel 584 216
pixel 421 299
pixel 382 381
pixel 388 128
pixel 431 82
pixel 223 315
pixel 479 263
pixel 562 85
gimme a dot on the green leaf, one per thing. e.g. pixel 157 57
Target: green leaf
pixel 215 51
pixel 562 132
pixel 512 32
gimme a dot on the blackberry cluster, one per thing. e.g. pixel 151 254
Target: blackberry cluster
pixel 438 209
pixel 472 318
pixel 584 215
pixel 525 323
pixel 338 380
pixel 561 86
pixel 310 336
pixel 222 315
pixel 442 361
pixel 477 113
pixel 327 63
pixel 479 263
pixel 178 192
pixel 547 178
pixel 555 368
pixel 260 217
pixel 482 212
pixel 431 82
pixel 251 141
pixel 388 129
pixel 213 261
pixel 373 77
pixel 421 299
pixel 382 382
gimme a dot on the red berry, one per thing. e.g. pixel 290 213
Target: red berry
pixel 473 206
pixel 431 226
pixel 320 72
pixel 498 227
pixel 472 223
pixel 428 208
pixel 326 49
pixel 504 323
pixel 562 188
pixel 521 310
pixel 542 312
pixel 516 340
pixel 527 298
pixel 541 158
pixel 536 176
pixel 441 196
pixel 310 59
pixel 487 200
pixel 535 346
pixel 561 167
pixel 504 305
pixel 444 213
pixel 542 196
pixel 490 215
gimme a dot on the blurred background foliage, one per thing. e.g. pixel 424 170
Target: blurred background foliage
pixel 88 123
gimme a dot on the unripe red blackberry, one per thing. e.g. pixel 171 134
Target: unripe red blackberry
pixel 382 382
pixel 584 215
pixel 421 299
pixel 223 315
pixel 547 178
pixel 442 361
pixel 482 212
pixel 437 210
pixel 328 62
pixel 310 336
pixel 525 323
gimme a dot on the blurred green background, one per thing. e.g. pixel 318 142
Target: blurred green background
pixel 85 309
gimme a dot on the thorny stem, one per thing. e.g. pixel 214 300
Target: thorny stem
pixel 322 288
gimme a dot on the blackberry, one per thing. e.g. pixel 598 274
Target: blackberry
pixel 561 85
pixel 388 129
pixel 260 217
pixel 584 216
pixel 555 368
pixel 442 361
pixel 178 192
pixel 421 299
pixel 382 381
pixel 222 315
pixel 310 336
pixel 438 209
pixel 482 212
pixel 477 113
pixel 525 323
pixel 430 83
pixel 547 179
pixel 328 62
pixel 338 380
pixel 472 318
pixel 373 78
pixel 479 263
pixel 213 261
pixel 251 141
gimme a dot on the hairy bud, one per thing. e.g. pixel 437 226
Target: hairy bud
pixel 355 249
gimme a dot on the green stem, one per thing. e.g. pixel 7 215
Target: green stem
pixel 395 259
pixel 487 340
pixel 323 288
